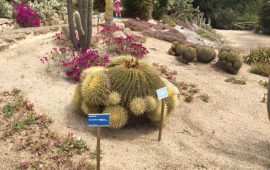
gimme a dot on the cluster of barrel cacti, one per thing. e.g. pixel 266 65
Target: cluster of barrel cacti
pixel 229 60
pixel 83 24
pixel 126 90
pixel 189 53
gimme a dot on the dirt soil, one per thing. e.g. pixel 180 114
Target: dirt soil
pixel 244 40
pixel 231 131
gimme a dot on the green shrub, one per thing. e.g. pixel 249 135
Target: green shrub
pixel 230 61
pixel 206 55
pixel 46 8
pixel 5 9
pixel 169 21
pixel 208 34
pixel 189 54
pixel 261 69
pixel 264 17
pixel 139 8
pixel 260 55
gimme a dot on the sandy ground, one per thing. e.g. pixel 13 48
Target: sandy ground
pixel 231 131
pixel 244 40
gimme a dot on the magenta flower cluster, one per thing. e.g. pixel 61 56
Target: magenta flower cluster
pixel 123 45
pixel 73 64
pixel 26 16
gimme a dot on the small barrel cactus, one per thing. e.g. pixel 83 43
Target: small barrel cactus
pixel 138 106
pixel 118 116
pixel 189 54
pixel 230 61
pixel 206 55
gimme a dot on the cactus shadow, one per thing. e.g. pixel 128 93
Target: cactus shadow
pixel 78 123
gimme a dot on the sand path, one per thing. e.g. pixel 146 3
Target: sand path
pixel 231 131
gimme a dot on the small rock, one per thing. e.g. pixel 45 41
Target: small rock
pixel 121 25
pixel 119 34
pixel 40 31
pixel 151 21
pixel 128 31
pixel 3 45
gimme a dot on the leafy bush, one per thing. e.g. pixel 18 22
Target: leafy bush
pixel 182 9
pixel 169 21
pixel 26 16
pixel 233 80
pixel 139 8
pixel 46 8
pixel 206 55
pixel 264 17
pixel 261 69
pixel 160 9
pixel 208 34
pixel 6 9
pixel 229 61
pixel 72 62
pixel 260 55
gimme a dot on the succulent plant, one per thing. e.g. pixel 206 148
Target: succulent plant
pixel 226 48
pixel 156 114
pixel 95 89
pixel 230 61
pixel 125 90
pixel 206 55
pixel 83 20
pixel 150 103
pixel 132 79
pixel 189 54
pixel 113 99
pixel 118 116
pixel 138 106
pixel 179 49
pixel 76 100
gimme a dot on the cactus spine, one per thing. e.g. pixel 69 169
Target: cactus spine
pixel 83 20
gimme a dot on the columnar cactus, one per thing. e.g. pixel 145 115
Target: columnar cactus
pixel 83 21
pixel 109 12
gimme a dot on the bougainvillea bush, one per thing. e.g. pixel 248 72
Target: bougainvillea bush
pixel 73 62
pixel 127 44
pixel 26 16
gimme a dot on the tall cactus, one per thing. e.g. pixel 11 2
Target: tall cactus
pixel 109 12
pixel 268 99
pixel 83 21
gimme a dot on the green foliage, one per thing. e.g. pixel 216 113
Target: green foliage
pixel 6 9
pixel 204 97
pixel 224 12
pixel 99 5
pixel 160 9
pixel 47 8
pixel 265 17
pixel 9 109
pixel 229 61
pixel 206 55
pixel 139 8
pixel 182 9
pixel 169 21
pixel 209 34
pixel 233 80
pixel 260 55
pixel 189 54
pixel 261 69
pixel 188 98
